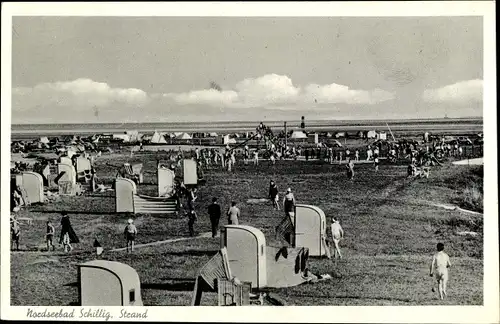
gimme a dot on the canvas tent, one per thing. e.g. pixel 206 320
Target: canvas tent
pixel 213 134
pixel 44 140
pixel 184 136
pixel 108 283
pixel 158 139
pixel 298 135
pixel 381 136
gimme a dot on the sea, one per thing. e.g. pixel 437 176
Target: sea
pixel 448 125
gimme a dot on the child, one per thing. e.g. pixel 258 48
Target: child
pixel 130 233
pixel 67 243
pixel 439 266
pixel 337 235
pixel 376 162
pixel 15 230
pixel 49 236
pixel 192 217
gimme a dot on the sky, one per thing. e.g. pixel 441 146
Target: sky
pixel 171 69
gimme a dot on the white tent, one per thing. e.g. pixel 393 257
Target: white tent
pixel 44 140
pixel 371 134
pixel 381 136
pixel 228 140
pixel 213 134
pixel 124 137
pixel 134 135
pixel 177 134
pixel 157 138
pixel 298 134
pixel 184 136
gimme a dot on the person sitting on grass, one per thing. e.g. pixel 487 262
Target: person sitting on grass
pixel 49 236
pixel 130 234
pixel 439 266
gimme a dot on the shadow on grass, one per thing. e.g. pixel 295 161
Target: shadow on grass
pixel 78 212
pixel 193 253
pixel 179 286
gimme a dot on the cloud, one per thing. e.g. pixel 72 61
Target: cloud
pixel 279 90
pixel 460 92
pixel 77 94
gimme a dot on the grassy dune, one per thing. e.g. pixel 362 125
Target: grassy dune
pixel 391 228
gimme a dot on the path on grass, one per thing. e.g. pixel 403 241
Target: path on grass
pixel 202 235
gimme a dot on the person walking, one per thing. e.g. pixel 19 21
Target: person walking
pixel 233 214
pixel 130 233
pixel 439 267
pixel 49 236
pixel 289 203
pixel 273 195
pixel 68 235
pixel 15 232
pixel 337 235
pixel 214 211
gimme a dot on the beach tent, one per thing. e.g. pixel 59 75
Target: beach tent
pixel 133 135
pixel 165 182
pixel 250 260
pixel 158 139
pixel 66 179
pixel 381 136
pixel 184 136
pixel 310 230
pixel 371 134
pixel 108 283
pixel 32 183
pixel 190 172
pixel 229 140
pixel 44 140
pixel 298 135
pixel 213 134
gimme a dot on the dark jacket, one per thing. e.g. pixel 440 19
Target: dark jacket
pixel 214 210
pixel 273 191
pixel 67 228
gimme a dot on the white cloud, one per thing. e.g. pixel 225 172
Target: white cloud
pixel 79 94
pixel 463 91
pixel 279 90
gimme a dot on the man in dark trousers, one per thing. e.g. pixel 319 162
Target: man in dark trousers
pixel 214 211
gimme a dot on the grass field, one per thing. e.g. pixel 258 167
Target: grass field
pixel 391 223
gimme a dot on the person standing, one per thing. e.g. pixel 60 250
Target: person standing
pixel 233 214
pixel 439 266
pixel 289 203
pixel 192 218
pixel 214 211
pixel 49 236
pixel 67 232
pixel 256 157
pixel 356 155
pixel 130 233
pixel 15 232
pixel 273 194
pixel 337 235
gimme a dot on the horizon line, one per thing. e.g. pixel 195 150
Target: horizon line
pixel 255 121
